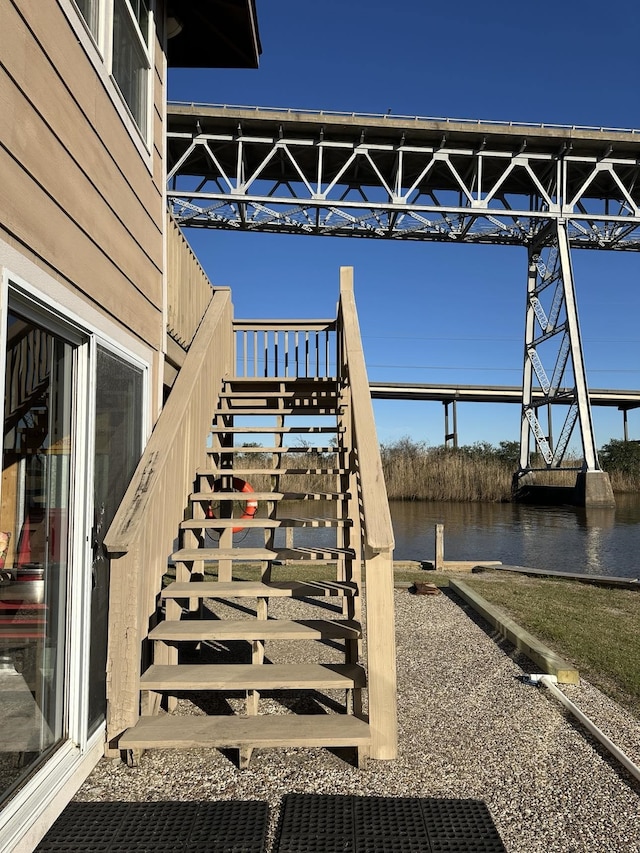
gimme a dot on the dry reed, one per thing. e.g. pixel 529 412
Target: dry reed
pixel 414 471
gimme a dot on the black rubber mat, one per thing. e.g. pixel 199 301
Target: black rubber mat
pixel 312 823
pixel 159 827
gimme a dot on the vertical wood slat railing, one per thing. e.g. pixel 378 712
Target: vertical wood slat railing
pixel 286 348
pixel 141 536
pixel 188 288
pixel 377 529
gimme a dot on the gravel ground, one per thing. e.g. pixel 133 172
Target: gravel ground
pixel 469 728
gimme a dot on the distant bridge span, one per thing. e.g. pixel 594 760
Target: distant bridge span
pixel 547 188
pixel 452 394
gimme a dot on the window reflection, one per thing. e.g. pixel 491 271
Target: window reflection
pixel 36 483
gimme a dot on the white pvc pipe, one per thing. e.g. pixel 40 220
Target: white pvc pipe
pixel 548 682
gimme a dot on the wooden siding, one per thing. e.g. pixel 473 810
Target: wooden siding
pixel 76 193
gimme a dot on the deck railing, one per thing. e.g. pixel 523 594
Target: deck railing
pixel 188 288
pixel 141 537
pixel 286 348
pixel 377 529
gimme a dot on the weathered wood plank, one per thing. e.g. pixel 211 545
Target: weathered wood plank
pixel 531 646
pixel 378 527
pixel 213 555
pixel 253 677
pixel 256 589
pixel 256 629
pixel 205 523
pixel 598 580
pixel 273 730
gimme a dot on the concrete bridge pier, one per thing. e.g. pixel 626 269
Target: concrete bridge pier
pixel 591 489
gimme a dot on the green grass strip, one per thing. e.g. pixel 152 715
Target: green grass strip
pixel 593 627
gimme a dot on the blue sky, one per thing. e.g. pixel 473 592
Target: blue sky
pixel 457 312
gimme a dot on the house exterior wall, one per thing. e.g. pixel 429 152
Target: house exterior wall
pixel 82 239
pixel 80 195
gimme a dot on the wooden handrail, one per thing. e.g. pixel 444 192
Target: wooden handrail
pixel 378 530
pixel 141 536
pixel 282 325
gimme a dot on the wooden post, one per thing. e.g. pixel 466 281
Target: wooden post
pixel 381 656
pixel 439 562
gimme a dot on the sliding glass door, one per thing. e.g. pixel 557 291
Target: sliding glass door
pixel 37 484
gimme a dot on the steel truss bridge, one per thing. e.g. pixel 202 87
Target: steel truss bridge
pixel 548 188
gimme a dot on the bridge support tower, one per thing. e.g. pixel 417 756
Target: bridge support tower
pixel 552 336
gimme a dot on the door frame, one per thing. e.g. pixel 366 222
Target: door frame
pixel 26 815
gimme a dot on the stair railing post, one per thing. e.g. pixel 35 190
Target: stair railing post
pixel 377 537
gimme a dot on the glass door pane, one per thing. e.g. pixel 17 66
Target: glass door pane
pixel 118 445
pixel 34 534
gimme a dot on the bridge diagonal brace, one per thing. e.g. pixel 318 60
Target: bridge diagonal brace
pixel 565 435
pixel 540 437
pixel 543 379
pixel 561 363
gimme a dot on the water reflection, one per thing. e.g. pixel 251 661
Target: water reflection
pixel 571 539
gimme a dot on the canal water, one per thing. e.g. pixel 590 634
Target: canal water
pixel 567 539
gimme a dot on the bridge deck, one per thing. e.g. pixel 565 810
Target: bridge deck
pixel 620 399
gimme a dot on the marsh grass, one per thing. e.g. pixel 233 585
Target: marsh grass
pixel 595 628
pixel 415 471
pixel 310 460
pixel 477 472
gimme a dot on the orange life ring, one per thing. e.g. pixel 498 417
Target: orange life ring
pixel 250 507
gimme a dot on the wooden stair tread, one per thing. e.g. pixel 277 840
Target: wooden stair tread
pixel 276 430
pixel 238 448
pixel 319 393
pixel 256 629
pixel 260 554
pixel 253 677
pixel 268 496
pixel 327 407
pixel 203 523
pixel 284 380
pixel 272 730
pixel 257 589
pixel 244 472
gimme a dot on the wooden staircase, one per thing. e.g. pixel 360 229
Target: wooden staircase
pixel 269 654
pixel 236 541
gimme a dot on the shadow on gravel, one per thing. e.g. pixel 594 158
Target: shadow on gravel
pixel 520 659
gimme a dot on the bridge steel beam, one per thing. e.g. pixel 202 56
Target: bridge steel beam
pixel 547 188
pixel 408 178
